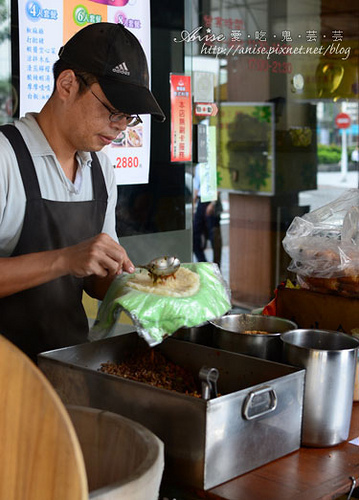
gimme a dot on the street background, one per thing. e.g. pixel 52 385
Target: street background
pixel 331 184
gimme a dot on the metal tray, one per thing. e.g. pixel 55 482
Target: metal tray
pixel 256 419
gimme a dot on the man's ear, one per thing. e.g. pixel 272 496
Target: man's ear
pixel 66 83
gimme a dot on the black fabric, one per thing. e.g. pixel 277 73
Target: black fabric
pixel 207 227
pixel 50 316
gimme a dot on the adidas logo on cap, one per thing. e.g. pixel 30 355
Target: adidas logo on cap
pixel 122 69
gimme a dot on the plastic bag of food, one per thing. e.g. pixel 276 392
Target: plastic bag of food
pixel 158 310
pixel 324 246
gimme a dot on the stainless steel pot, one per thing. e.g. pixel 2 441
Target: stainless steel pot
pixel 330 362
pixel 230 336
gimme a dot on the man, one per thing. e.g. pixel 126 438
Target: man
pixel 355 155
pixel 58 198
pixel 206 223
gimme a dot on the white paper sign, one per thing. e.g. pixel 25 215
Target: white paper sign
pixel 208 170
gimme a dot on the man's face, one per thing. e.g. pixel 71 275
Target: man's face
pixel 90 128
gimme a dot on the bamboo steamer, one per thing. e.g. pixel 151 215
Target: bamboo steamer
pixel 123 459
pixel 40 456
pixel 49 453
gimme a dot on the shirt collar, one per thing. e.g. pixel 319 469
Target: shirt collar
pixel 85 158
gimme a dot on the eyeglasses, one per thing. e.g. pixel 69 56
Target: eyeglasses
pixel 131 120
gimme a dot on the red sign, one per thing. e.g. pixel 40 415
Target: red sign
pixel 206 109
pixel 342 120
pixel 181 118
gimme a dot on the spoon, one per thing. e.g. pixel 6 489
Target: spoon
pixel 162 266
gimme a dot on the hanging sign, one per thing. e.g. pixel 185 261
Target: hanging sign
pixel 44 27
pixel 200 153
pixel 181 118
pixel 206 109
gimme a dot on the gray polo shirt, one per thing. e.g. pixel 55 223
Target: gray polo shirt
pixel 54 185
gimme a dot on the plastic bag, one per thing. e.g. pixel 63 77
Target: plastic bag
pixel 324 246
pixel 157 316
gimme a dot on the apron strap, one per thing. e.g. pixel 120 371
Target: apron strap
pixel 24 160
pixel 28 173
pixel 98 181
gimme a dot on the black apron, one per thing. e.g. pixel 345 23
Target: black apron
pixel 50 316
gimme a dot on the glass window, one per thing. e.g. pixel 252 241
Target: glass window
pixel 286 85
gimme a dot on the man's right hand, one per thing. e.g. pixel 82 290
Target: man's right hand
pixel 100 256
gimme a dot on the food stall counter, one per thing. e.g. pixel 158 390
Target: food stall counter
pixel 308 473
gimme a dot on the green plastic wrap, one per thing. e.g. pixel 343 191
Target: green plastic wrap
pixel 156 316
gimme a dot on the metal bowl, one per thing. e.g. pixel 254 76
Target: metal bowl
pixel 230 337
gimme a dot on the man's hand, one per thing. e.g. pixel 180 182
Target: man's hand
pixel 210 208
pixel 100 256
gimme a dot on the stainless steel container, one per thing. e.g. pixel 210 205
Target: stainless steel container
pixel 256 419
pixel 330 362
pixel 227 333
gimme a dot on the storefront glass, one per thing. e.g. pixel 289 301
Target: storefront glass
pixel 285 81
pixel 274 83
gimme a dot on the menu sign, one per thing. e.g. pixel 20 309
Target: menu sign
pixel 181 118
pixel 40 37
pixel 44 27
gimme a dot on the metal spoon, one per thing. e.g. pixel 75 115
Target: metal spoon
pixel 162 266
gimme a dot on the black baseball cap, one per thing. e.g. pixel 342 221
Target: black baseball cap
pixel 113 54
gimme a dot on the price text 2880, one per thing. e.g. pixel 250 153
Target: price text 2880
pixel 127 162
